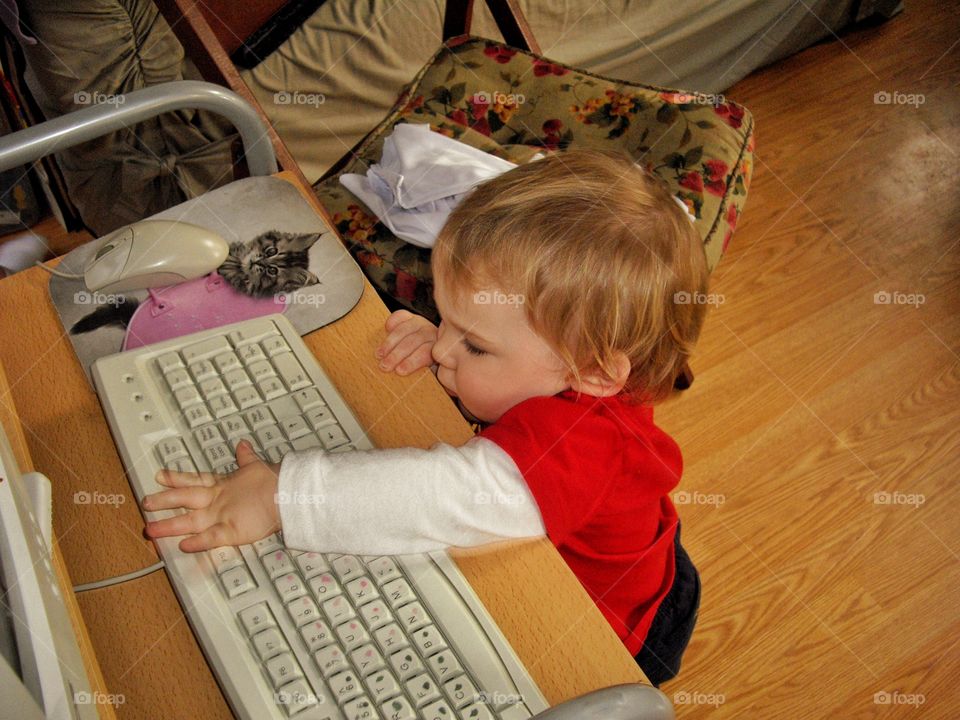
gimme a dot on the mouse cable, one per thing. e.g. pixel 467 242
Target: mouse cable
pixel 58 273
pixel 118 579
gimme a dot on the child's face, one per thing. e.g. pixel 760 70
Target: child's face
pixel 489 356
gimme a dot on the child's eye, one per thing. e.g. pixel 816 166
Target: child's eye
pixel 473 349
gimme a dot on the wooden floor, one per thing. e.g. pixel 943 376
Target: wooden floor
pixel 821 436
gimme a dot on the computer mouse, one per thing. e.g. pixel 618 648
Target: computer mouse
pixel 152 253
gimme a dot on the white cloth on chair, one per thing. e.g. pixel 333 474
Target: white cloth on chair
pixel 421 177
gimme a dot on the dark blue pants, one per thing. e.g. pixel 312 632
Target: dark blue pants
pixel 672 626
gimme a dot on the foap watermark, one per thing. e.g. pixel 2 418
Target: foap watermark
pixel 896 697
pixel 683 497
pixel 699 98
pixel 495 97
pixel 98 698
pixel 300 298
pixel 683 297
pixel 95 497
pixel 83 297
pixel 295 698
pixel 885 297
pixel 885 97
pixel 498 498
pixel 295 97
pixel 497 698
pixel 896 497
pixel 96 97
pixel 495 297
pixel 299 498
pixel 685 697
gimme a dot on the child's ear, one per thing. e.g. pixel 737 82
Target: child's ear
pixel 598 383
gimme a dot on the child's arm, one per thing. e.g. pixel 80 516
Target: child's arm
pixel 409 343
pixel 397 501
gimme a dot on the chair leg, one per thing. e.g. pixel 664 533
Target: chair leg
pixel 684 378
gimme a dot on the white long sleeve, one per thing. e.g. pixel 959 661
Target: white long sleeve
pixel 404 500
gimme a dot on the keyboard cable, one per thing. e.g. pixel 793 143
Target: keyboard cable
pixel 107 582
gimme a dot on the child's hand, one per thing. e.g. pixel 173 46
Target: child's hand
pixel 233 509
pixel 410 340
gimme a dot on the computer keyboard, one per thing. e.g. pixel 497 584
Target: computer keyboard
pixel 316 636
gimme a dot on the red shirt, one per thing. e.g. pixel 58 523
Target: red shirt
pixel 600 472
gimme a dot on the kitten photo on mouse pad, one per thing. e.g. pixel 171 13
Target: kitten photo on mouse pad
pixel 272 263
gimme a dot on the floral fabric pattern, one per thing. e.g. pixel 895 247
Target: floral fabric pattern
pixel 514 104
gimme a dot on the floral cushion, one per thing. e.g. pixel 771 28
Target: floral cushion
pixel 514 104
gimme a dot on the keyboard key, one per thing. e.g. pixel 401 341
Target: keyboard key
pixel 367 659
pixel 234 426
pixel 250 353
pixel 296 697
pixel 399 709
pixel 275 454
pixel 330 660
pixel 187 396
pixel 275 346
pixel 212 387
pixel 361 709
pixel 412 616
pixel 205 349
pixel 338 609
pixel 251 331
pixel 170 449
pixel 332 436
pixel 224 558
pixel 352 635
pixel 282 669
pixel 375 614
pixel 269 643
pixel 234 441
pixel 218 455
pixel 178 378
pixel 316 635
pixel 289 587
pixel 256 618
pixel 181 465
pixel 361 590
pixel 294 427
pixel 208 435
pixel 444 665
pixel 260 370
pixel 269 435
pixel 223 405
pixel 347 567
pixel 303 610
pixel 390 638
pixel 169 361
pixel 246 397
pixel 268 544
pixel 307 442
pixel 406 664
pixel 320 416
pixel 384 570
pixel 197 415
pixel 259 417
pixel 289 368
pixel 276 564
pixel 438 710
pixel 311 563
pixel 477 711
pixel 324 586
pixel 398 593
pixel 203 370
pixel 423 690
pixel 461 691
pixel 307 398
pixel 227 361
pixel 383 686
pixel 236 379
pixel 429 640
pixel 237 581
pixel 272 387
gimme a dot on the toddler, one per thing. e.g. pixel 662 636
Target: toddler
pixel 556 283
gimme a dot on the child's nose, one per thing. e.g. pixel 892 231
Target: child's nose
pixel 442 349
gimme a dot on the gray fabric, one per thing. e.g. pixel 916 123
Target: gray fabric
pixel 338 75
pixel 91 51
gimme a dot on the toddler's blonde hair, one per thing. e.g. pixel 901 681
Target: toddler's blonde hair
pixel 601 256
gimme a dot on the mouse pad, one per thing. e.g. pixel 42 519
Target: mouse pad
pixel 252 211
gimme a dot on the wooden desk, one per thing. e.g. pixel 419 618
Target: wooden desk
pixel 140 635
